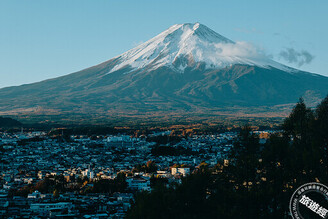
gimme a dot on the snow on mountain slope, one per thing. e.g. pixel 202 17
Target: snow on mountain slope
pixel 239 77
pixel 195 43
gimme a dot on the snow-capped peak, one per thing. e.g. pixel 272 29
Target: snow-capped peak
pixel 185 45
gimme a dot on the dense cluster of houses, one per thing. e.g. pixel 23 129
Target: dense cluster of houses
pixel 30 157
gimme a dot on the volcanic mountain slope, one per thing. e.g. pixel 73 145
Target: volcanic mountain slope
pixel 187 68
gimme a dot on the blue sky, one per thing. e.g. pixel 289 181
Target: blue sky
pixel 41 39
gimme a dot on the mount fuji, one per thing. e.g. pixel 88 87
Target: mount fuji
pixel 189 45
pixel 186 69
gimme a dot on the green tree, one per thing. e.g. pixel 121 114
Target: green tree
pixel 299 123
pixel 321 136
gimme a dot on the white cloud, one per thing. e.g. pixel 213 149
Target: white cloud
pixel 241 49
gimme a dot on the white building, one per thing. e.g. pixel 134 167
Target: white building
pixel 163 173
pixel 41 207
pixel 184 171
pixel 140 184
pixel 88 173
pixel 36 194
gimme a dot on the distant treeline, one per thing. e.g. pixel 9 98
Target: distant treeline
pixel 6 122
pixel 171 151
pixel 87 130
